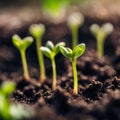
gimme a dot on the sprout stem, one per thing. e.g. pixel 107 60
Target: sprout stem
pixel 40 60
pixel 54 73
pixel 75 90
pixel 24 64
pixel 100 44
pixel 74 36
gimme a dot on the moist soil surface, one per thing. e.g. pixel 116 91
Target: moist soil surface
pixel 99 84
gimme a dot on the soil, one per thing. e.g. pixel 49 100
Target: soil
pixel 99 84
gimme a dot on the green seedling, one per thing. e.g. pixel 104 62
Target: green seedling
pixel 55 7
pixel 75 21
pixel 9 111
pixel 5 90
pixel 37 31
pixel 73 55
pixel 51 51
pixel 22 45
pixel 100 33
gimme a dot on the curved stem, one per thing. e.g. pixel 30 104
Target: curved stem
pixel 54 74
pixel 24 64
pixel 75 91
pixel 40 60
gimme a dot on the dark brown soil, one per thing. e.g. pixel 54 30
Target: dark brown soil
pixel 99 83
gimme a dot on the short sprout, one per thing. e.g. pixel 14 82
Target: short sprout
pixel 100 33
pixel 50 51
pixel 73 55
pixel 22 45
pixel 37 31
pixel 75 21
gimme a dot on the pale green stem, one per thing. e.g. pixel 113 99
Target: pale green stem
pixel 75 91
pixel 100 45
pixel 74 36
pixel 24 64
pixel 54 74
pixel 40 60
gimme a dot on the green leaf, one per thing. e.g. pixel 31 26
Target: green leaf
pixel 50 45
pixel 67 52
pixel 107 28
pixel 16 41
pixel 22 44
pixel 104 30
pixel 64 51
pixel 27 41
pixel 78 50
pixel 50 50
pixel 95 29
pixel 46 51
pixel 37 30
pixel 8 87
pixel 56 49
pixel 75 20
pixel 70 52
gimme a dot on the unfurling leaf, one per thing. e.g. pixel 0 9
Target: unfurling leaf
pixel 65 51
pixel 22 44
pixel 50 45
pixel 79 50
pixel 56 49
pixel 46 51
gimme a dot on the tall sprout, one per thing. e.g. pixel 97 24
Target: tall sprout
pixel 72 55
pixel 75 21
pixel 37 31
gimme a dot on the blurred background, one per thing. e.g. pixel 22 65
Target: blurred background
pixel 25 12
pixel 37 2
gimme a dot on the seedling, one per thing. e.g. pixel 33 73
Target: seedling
pixel 75 21
pixel 9 111
pixel 73 55
pixel 37 31
pixel 51 51
pixel 100 33
pixel 54 7
pixel 5 90
pixel 22 45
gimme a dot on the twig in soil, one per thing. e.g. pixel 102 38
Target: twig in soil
pixel 100 33
pixel 51 51
pixel 22 45
pixel 73 55
pixel 37 31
